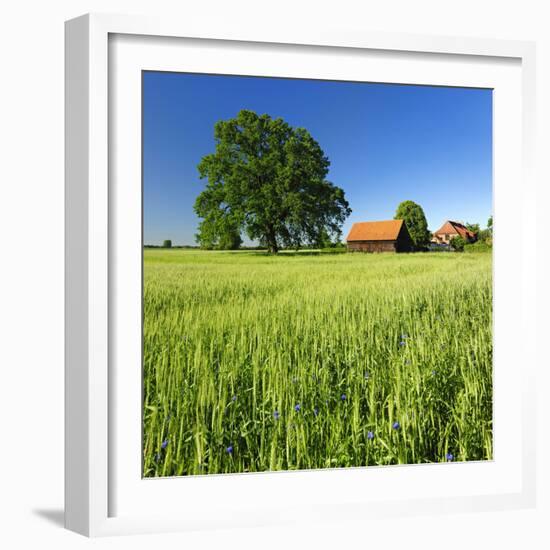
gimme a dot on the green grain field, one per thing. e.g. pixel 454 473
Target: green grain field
pixel 295 361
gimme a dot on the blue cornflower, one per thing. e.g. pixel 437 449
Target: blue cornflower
pixel 234 398
pixel 366 376
pixel 276 415
pixel 164 443
pixel 450 457
pixel 229 450
pixel 315 411
pixel 370 435
pixel 158 457
pixel 297 407
pixel 343 397
pixel 396 425
pixel 402 343
pixel 404 336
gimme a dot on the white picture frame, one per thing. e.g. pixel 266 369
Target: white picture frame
pixel 104 492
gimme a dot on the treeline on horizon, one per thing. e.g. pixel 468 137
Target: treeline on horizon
pixel 412 214
pixel 333 246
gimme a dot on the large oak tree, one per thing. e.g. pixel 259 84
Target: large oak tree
pixel 267 179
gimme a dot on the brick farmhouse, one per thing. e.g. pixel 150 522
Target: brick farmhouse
pixel 452 229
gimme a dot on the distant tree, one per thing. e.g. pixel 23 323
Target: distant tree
pixel 473 227
pixel 416 223
pixel 167 243
pixel 267 179
pixel 486 235
pixel 457 243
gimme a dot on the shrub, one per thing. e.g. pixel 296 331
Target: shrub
pixel 457 243
pixel 167 243
pixel 479 246
pixel 485 235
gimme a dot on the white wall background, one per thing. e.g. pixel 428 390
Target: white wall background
pixel 31 267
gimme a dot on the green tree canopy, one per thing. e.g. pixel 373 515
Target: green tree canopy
pixel 473 227
pixel 416 223
pixel 267 179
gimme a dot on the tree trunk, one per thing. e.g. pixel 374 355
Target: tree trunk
pixel 272 247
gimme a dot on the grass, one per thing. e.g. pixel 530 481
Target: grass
pixel 255 363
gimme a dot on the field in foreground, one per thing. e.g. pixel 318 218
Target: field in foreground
pixel 255 363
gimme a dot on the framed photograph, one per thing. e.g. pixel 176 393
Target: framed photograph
pixel 299 280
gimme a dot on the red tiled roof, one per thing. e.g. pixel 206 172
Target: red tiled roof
pixel 375 231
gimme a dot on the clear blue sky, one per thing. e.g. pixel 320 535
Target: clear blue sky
pixel 386 143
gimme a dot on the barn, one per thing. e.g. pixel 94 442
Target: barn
pixel 383 236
